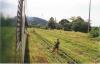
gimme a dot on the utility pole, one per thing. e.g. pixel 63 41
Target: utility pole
pixel 89 16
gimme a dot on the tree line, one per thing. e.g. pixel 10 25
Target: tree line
pixel 7 21
pixel 76 24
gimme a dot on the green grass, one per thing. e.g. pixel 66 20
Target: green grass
pixel 75 46
pixel 7 44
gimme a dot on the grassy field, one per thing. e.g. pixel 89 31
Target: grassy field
pixel 75 47
pixel 8 42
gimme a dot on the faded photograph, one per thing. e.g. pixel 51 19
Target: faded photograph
pixel 50 31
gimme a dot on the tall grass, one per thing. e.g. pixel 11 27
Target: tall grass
pixel 8 44
pixel 75 46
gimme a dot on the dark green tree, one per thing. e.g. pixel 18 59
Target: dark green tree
pixel 66 25
pixel 94 32
pixel 63 22
pixel 52 23
pixel 79 24
pixel 6 21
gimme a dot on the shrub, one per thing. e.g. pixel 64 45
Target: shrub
pixel 94 32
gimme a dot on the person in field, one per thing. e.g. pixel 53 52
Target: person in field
pixel 56 46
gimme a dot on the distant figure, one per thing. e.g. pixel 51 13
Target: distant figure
pixel 56 46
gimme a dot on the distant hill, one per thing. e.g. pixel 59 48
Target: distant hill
pixel 37 21
pixel 34 21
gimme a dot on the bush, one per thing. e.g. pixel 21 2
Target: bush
pixel 80 25
pixel 65 24
pixel 94 32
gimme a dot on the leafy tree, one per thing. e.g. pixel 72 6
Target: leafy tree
pixel 78 24
pixel 3 21
pixel 66 25
pixel 63 22
pixel 6 21
pixel 52 23
pixel 94 32
pixel 58 26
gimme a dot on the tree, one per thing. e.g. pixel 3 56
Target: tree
pixel 7 21
pixel 52 23
pixel 63 22
pixel 58 26
pixel 66 25
pixel 79 24
pixel 94 32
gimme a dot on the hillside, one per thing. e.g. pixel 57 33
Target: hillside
pixel 37 21
pixel 74 47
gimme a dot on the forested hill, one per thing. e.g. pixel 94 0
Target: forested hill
pixel 37 21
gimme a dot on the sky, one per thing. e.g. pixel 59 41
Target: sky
pixel 59 9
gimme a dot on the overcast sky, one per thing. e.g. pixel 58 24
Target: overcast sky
pixel 55 8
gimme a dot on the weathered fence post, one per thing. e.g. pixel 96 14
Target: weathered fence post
pixel 20 32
